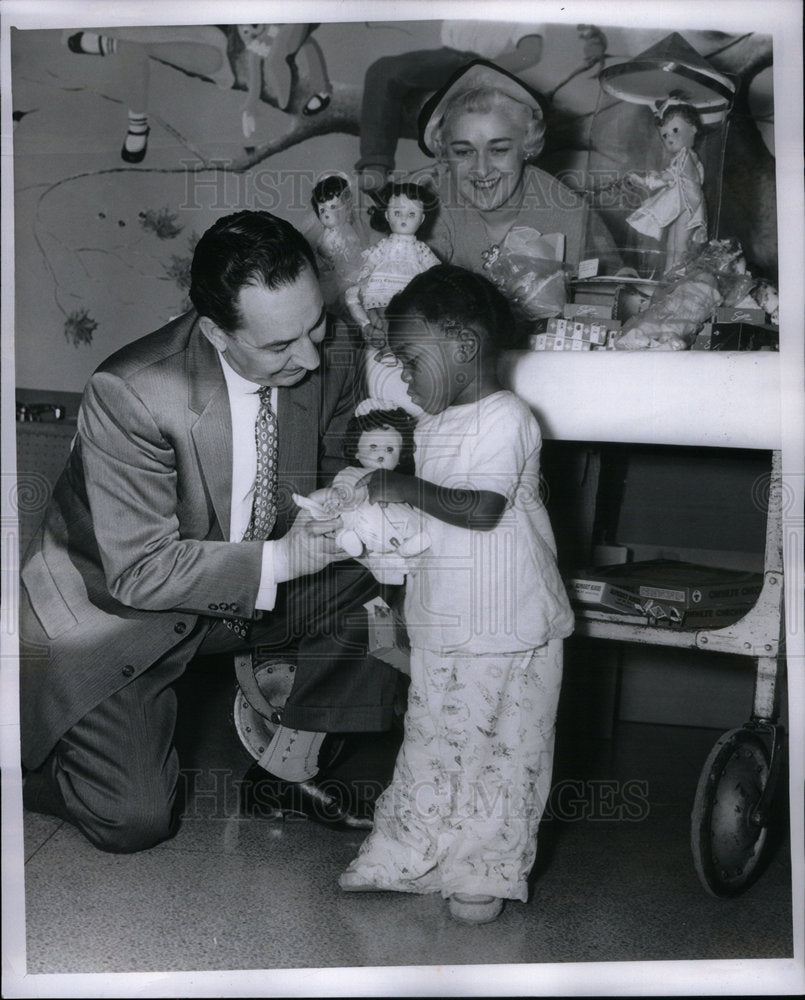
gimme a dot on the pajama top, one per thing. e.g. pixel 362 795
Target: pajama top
pixel 495 591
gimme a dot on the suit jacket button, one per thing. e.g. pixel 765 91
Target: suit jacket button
pixel 223 607
pixel 128 670
pixel 180 628
pixel 234 607
pixel 213 607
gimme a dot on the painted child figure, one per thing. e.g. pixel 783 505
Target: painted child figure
pixel 336 244
pixel 402 210
pixel 270 50
pixel 486 613
pixel 384 537
pixel 676 208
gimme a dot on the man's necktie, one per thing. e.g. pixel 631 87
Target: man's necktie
pixel 264 500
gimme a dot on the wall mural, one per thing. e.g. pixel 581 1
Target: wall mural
pixel 129 142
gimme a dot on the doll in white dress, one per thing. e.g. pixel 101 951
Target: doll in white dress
pixel 387 268
pixel 676 209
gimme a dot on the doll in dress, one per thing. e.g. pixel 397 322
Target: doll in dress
pixel 337 245
pixel 270 50
pixel 384 537
pixel 676 208
pixel 401 211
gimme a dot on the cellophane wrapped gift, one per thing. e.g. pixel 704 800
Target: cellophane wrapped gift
pixel 527 267
pixel 713 276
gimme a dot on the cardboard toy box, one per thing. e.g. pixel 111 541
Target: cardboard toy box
pixel 679 593
pixel 388 639
pixel 603 595
pixel 744 337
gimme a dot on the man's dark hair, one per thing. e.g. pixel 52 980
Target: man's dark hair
pixel 396 419
pixel 246 248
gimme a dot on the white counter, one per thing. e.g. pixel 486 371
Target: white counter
pixel 713 399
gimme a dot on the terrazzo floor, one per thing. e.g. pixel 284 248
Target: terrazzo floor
pixel 614 880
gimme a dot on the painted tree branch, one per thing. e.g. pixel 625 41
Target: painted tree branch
pixel 341 115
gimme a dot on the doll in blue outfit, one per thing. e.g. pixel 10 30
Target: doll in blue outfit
pixel 485 609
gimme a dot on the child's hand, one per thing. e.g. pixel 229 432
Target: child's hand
pixel 387 486
pixel 374 332
pixel 248 123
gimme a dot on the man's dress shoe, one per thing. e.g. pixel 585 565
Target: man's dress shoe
pixel 325 801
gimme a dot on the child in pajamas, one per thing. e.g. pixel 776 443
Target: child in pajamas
pixel 485 609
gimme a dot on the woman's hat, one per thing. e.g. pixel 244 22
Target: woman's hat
pixel 478 73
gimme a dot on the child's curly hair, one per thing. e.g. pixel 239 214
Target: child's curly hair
pixel 414 192
pixel 397 419
pixel 453 298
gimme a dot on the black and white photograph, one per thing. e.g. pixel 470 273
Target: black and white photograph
pixel 403 475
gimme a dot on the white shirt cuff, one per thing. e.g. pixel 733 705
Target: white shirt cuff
pixel 267 591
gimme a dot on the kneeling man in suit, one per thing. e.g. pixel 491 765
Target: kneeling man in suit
pixel 172 533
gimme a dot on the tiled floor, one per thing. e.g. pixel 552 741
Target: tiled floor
pixel 614 880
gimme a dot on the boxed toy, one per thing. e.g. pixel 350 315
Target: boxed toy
pixel 603 595
pixel 677 593
pixel 573 335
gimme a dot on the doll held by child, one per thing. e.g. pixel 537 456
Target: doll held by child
pixel 485 610
pixel 383 537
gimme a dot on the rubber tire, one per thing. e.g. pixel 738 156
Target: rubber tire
pixel 729 852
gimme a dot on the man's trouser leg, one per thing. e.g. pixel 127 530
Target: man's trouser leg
pixel 320 623
pixel 114 774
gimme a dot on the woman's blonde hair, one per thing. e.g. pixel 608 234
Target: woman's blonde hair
pixel 488 99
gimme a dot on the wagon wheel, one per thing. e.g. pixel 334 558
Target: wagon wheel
pixel 254 727
pixel 730 836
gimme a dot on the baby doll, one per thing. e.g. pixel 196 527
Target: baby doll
pixel 387 268
pixel 270 50
pixel 337 245
pixel 382 536
pixel 677 208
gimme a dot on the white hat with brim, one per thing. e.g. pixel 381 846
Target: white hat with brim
pixel 478 73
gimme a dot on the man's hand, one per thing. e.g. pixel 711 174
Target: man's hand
pixel 308 547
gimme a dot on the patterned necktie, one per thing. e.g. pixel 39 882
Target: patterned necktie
pixel 264 500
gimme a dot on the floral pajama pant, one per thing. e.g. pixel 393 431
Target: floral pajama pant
pixel 472 777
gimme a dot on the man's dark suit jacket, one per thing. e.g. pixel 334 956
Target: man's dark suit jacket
pixel 139 520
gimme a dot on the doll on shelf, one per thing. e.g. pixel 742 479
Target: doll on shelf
pixel 336 244
pixel 270 51
pixel 676 208
pixel 384 537
pixel 401 211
